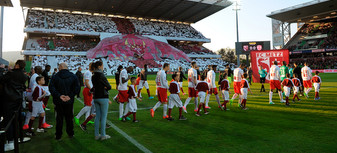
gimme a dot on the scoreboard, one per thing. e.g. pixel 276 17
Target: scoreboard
pixel 246 47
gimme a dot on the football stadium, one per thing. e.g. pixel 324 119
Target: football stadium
pixel 140 76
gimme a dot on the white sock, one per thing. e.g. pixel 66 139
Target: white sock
pixel 308 90
pixel 234 96
pixel 187 101
pixel 281 95
pixel 196 103
pixel 207 99
pixel 270 96
pixel 28 116
pixel 217 99
pixel 240 98
pixel 44 119
pixel 121 109
pixel 83 111
pixel 156 105
pixel 126 109
pixel 165 110
pixel 87 114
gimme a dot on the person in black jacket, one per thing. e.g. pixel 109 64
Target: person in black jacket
pixel 63 87
pixel 119 69
pixel 45 75
pixel 79 76
pixel 181 78
pixel 297 70
pixel 13 86
pixel 101 87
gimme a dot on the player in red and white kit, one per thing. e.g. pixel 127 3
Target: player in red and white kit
pixel 192 82
pixel 212 87
pixel 244 91
pixel 316 80
pixel 202 88
pixel 306 76
pixel 123 95
pixel 238 74
pixel 162 87
pixel 287 84
pixel 296 88
pixel 224 86
pixel 274 77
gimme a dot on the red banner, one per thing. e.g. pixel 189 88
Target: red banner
pixel 266 58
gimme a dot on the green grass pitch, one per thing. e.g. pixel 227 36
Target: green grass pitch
pixel 306 126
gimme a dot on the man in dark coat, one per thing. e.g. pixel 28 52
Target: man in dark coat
pixel 63 87
pixel 13 86
pixel 79 76
pixel 45 75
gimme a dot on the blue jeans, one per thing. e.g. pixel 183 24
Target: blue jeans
pixel 102 106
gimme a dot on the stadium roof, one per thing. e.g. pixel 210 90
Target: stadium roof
pixel 6 3
pixel 307 12
pixel 189 11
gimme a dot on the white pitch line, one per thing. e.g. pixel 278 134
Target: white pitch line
pixel 133 141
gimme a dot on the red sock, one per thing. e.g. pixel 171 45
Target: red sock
pixel 128 114
pixel 287 100
pixel 134 116
pixel 180 110
pixel 169 112
pixel 294 96
pixel 244 102
pixel 316 94
pixel 40 122
pixel 30 124
pixel 87 120
pixel 182 90
pixel 199 107
pixel 148 92
pixel 204 106
pixel 139 92
pixel 224 103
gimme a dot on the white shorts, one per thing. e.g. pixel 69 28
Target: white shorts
pixel 316 86
pixel 225 94
pixel 296 89
pixel 286 91
pixel 37 108
pixel 143 83
pixel 244 93
pixel 132 105
pixel 180 84
pixel 174 100
pixel 202 96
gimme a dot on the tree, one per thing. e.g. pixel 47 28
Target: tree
pixel 228 54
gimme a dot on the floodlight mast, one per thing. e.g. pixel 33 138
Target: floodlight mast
pixel 236 9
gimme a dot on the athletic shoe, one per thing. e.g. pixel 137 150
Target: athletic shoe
pixel 239 105
pixel 77 121
pixel 271 103
pixel 46 126
pixel 150 97
pixel 183 93
pixel 287 105
pixel 152 112
pixel 30 133
pixel 231 101
pixel 25 139
pixel 105 137
pixel 196 110
pixel 128 118
pixel 182 118
pixel 107 126
pixel 165 117
pixel 83 127
pixel 124 119
pixel 91 122
pixel 197 114
pixel 318 98
pixel 40 130
pixel 25 127
pixel 227 109
pixel 170 119
pixel 207 107
pixel 9 146
pixel 184 108
pixel 47 109
pixel 299 100
pixel 245 108
pixel 136 121
pixel 206 113
pixel 120 118
pixel 293 101
pixel 282 101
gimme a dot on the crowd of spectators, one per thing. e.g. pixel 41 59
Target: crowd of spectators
pixel 316 60
pixel 62 44
pixel 95 23
pixel 192 48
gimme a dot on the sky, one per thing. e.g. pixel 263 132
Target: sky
pixel 220 27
